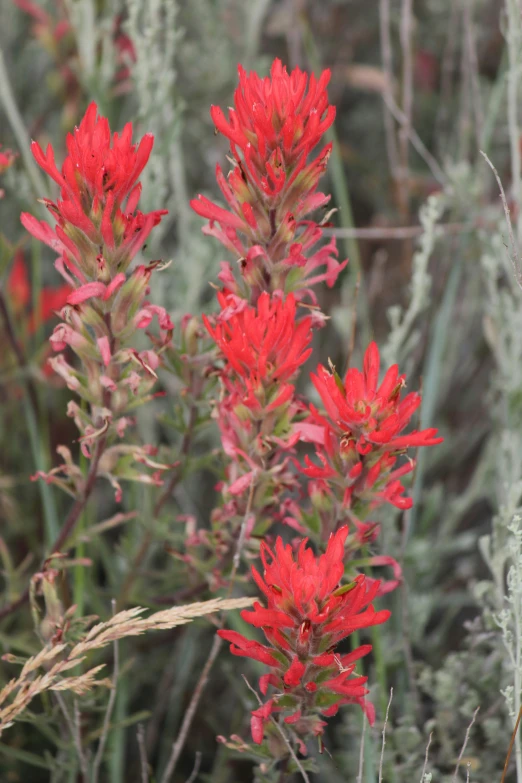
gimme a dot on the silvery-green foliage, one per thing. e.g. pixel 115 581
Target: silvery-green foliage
pixel 403 336
pixel 154 32
pixel 502 550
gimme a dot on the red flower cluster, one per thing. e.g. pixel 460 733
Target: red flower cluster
pixel 263 347
pixel 273 128
pixel 360 441
pixel 99 230
pixel 275 125
pixel 307 614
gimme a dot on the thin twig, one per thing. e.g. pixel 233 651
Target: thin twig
pixel 471 53
pixel 405 133
pixel 144 764
pixel 74 730
pixel 425 767
pixel 461 754
pixel 281 732
pixel 381 762
pixel 416 140
pixel 511 743
pixel 361 751
pixel 387 64
pixel 197 764
pixel 191 711
pixel 514 42
pixel 351 346
pixel 161 701
pixel 397 232
pixel 80 503
pixel 446 75
pixel 515 260
pixel 110 708
pixel 242 534
pixel 464 119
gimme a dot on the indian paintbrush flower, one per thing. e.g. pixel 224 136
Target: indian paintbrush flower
pixel 360 440
pixel 273 128
pixel 307 613
pixel 98 232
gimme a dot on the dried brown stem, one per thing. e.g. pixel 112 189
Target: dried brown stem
pixel 514 256
pixel 191 711
pixel 426 755
pixel 381 761
pixel 387 63
pixel 405 133
pixel 397 232
pixel 511 743
pixel 80 503
pixel 464 745
pixel 471 55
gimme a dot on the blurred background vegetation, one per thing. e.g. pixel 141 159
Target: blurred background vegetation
pixel 421 86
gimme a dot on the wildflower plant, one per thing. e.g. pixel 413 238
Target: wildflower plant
pixel 297 482
pixel 98 232
pixel 263 332
pixel 308 613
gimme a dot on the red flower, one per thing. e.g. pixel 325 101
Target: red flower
pixel 96 214
pixel 358 444
pixel 306 615
pixel 276 121
pixel 262 343
pixel 275 125
pixel 373 415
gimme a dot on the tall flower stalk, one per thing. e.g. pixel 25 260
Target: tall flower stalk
pixel 98 232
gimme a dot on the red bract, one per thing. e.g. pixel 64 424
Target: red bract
pixel 99 231
pixel 263 347
pixel 275 125
pixel 99 194
pixel 307 613
pixel 359 442
pixel 276 114
pixel 262 343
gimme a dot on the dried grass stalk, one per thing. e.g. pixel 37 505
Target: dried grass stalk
pixel 17 694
